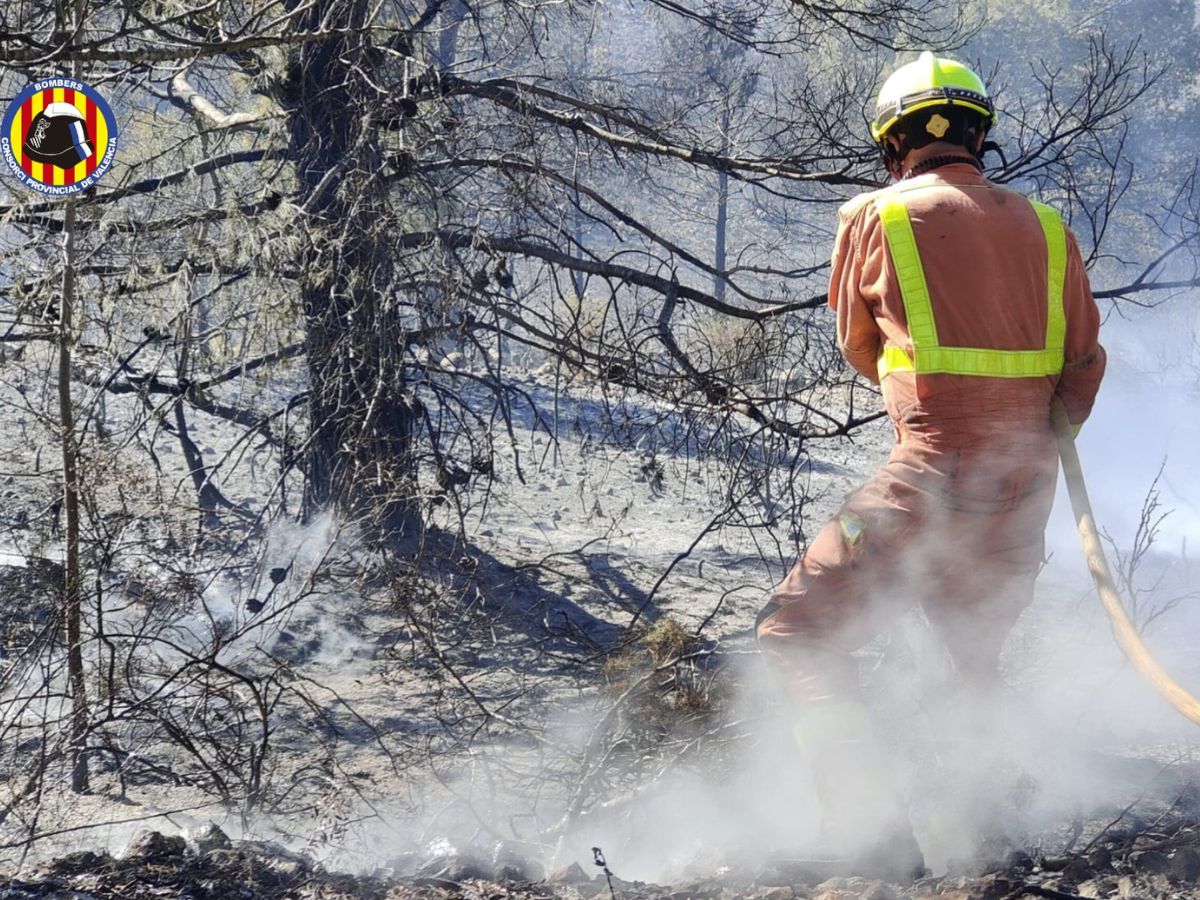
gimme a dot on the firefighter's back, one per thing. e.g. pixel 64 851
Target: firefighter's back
pixel 986 265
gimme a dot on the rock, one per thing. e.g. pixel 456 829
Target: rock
pixel 457 867
pixel 79 861
pixel 1019 859
pixel 274 853
pixel 510 859
pixel 1185 865
pixel 835 883
pixel 993 887
pixel 1097 888
pixel 953 886
pixel 771 893
pixel 879 890
pixel 288 869
pixel 597 888
pixel 1125 887
pixel 1078 870
pixel 624 889
pixel 224 858
pixel 985 864
pixel 153 845
pixel 840 888
pixel 1160 884
pixel 207 837
pixel 956 867
pixel 1100 859
pixel 1150 862
pixel 522 872
pixel 572 874
pixel 771 876
pixel 266 861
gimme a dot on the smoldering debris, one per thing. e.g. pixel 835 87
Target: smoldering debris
pixel 1146 855
pixel 208 866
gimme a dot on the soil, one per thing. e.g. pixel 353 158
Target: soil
pixel 1151 861
pixel 583 674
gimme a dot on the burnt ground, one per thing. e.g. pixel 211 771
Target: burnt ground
pixel 549 522
pixel 1131 858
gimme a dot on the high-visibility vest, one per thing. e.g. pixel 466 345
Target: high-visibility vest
pixel 929 356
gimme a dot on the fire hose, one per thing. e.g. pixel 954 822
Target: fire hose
pixel 1126 634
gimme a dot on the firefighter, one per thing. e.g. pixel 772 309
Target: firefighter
pixel 969 305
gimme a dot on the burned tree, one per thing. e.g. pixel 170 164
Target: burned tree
pixel 351 250
pixel 417 180
pixel 343 97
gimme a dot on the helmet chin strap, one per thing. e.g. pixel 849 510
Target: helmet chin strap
pixel 892 158
pixel 992 146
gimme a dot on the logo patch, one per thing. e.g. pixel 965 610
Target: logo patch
pixel 937 125
pixel 58 136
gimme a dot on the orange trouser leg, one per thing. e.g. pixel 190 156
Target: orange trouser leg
pixel 980 577
pixel 832 601
pixel 966 551
pixel 964 544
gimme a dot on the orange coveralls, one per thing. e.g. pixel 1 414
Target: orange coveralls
pixel 955 519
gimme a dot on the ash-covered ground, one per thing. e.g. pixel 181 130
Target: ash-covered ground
pixel 1128 857
pixel 581 674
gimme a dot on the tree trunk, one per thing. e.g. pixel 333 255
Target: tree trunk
pixel 72 600
pixel 722 215
pixel 722 208
pixel 71 596
pixel 578 278
pixel 360 456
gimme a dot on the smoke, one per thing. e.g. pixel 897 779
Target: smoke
pixel 1145 419
pixel 1074 733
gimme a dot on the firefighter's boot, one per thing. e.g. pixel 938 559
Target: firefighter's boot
pixel 864 821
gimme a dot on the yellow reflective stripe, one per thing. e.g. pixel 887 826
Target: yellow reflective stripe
pixel 1056 277
pixel 992 363
pixel 902 245
pixel 929 357
pixel 893 359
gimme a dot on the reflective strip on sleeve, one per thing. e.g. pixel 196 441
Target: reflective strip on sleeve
pixel 929 356
pixel 893 359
